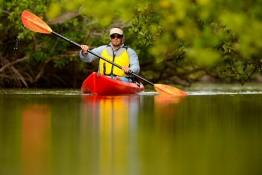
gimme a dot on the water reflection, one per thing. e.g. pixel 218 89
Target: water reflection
pixel 120 132
pixel 36 139
pixel 115 120
pixel 111 112
pixel 165 100
pixel 165 110
pixel 56 134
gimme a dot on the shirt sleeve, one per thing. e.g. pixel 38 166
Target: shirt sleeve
pixel 134 62
pixel 90 57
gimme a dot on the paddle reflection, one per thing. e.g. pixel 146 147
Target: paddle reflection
pixel 36 139
pixel 165 111
pixel 165 100
pixel 115 118
pixel 166 104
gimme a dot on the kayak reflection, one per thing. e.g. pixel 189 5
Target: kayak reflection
pixel 111 106
pixel 116 120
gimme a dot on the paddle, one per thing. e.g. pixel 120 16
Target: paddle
pixel 36 24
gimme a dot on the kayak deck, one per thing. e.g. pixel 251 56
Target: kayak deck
pixel 103 85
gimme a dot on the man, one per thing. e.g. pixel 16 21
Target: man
pixel 116 52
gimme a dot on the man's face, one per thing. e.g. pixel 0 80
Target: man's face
pixel 116 40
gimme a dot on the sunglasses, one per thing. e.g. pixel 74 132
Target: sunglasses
pixel 116 36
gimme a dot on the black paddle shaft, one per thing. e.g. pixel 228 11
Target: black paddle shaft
pixel 78 45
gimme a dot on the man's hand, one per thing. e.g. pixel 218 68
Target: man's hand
pixel 85 49
pixel 126 69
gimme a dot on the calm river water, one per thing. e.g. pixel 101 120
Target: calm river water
pixel 215 130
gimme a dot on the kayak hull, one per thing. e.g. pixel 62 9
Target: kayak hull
pixel 103 85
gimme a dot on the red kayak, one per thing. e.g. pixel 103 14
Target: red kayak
pixel 103 85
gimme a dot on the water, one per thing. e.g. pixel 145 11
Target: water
pixel 215 130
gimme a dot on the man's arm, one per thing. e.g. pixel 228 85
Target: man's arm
pixel 88 57
pixel 134 62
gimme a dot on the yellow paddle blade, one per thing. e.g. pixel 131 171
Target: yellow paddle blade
pixel 34 23
pixel 169 90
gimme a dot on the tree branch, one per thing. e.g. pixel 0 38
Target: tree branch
pixel 19 75
pixel 12 63
pixel 64 17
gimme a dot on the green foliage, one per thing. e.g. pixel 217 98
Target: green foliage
pixel 202 56
pixel 143 31
pixel 41 49
pixel 13 11
pixel 173 38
